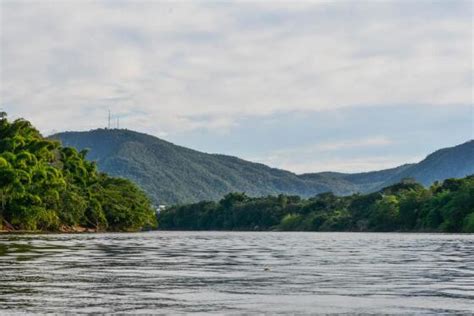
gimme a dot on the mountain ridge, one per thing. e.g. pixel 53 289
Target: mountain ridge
pixel 441 164
pixel 173 174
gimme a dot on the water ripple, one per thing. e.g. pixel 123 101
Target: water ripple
pixel 229 272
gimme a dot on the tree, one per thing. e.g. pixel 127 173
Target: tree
pixel 44 186
pixel 385 214
pixel 405 206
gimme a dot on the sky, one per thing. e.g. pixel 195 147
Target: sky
pixel 306 86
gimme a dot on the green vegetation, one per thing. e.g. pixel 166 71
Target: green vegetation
pixel 46 187
pixel 172 174
pixel 406 206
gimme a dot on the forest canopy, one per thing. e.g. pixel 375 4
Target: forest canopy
pixel 47 187
pixel 446 206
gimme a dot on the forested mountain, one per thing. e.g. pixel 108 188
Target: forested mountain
pixel 173 174
pixel 360 182
pixel 453 162
pixel 46 187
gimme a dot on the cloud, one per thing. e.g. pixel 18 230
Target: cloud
pixel 346 144
pixel 332 156
pixel 228 60
pixel 343 165
pixel 336 146
pixel 311 141
pixel 204 67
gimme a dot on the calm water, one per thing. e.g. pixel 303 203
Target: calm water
pixel 213 272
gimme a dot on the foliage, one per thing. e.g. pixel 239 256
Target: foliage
pixel 405 206
pixel 44 186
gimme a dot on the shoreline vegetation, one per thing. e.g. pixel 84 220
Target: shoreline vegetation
pixel 445 207
pixel 45 187
pixel 65 230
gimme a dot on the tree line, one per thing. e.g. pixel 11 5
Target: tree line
pixel 446 206
pixel 47 187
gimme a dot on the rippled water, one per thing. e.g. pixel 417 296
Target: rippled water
pixel 221 272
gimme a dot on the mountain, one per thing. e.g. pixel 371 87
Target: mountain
pixel 452 162
pixel 360 182
pixel 173 174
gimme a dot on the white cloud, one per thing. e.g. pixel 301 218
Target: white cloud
pixel 368 142
pixel 170 68
pixel 352 165
pixel 334 155
pixel 332 146
pixel 165 60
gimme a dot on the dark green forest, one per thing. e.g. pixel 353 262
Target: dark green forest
pixel 446 206
pixel 47 187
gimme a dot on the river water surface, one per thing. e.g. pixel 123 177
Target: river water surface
pixel 237 273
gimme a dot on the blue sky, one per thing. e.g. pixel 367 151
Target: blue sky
pixel 301 85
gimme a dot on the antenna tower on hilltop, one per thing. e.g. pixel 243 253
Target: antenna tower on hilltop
pixel 109 120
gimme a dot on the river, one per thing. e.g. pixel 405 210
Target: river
pixel 237 273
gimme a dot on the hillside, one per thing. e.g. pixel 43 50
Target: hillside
pixel 173 174
pixel 452 162
pixel 360 182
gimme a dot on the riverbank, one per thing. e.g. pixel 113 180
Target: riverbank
pixel 61 230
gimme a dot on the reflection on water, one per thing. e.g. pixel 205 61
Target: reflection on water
pixel 220 272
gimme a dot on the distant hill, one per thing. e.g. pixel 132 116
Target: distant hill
pixel 452 162
pixel 359 182
pixel 173 174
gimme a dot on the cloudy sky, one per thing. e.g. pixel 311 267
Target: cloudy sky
pixel 301 85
